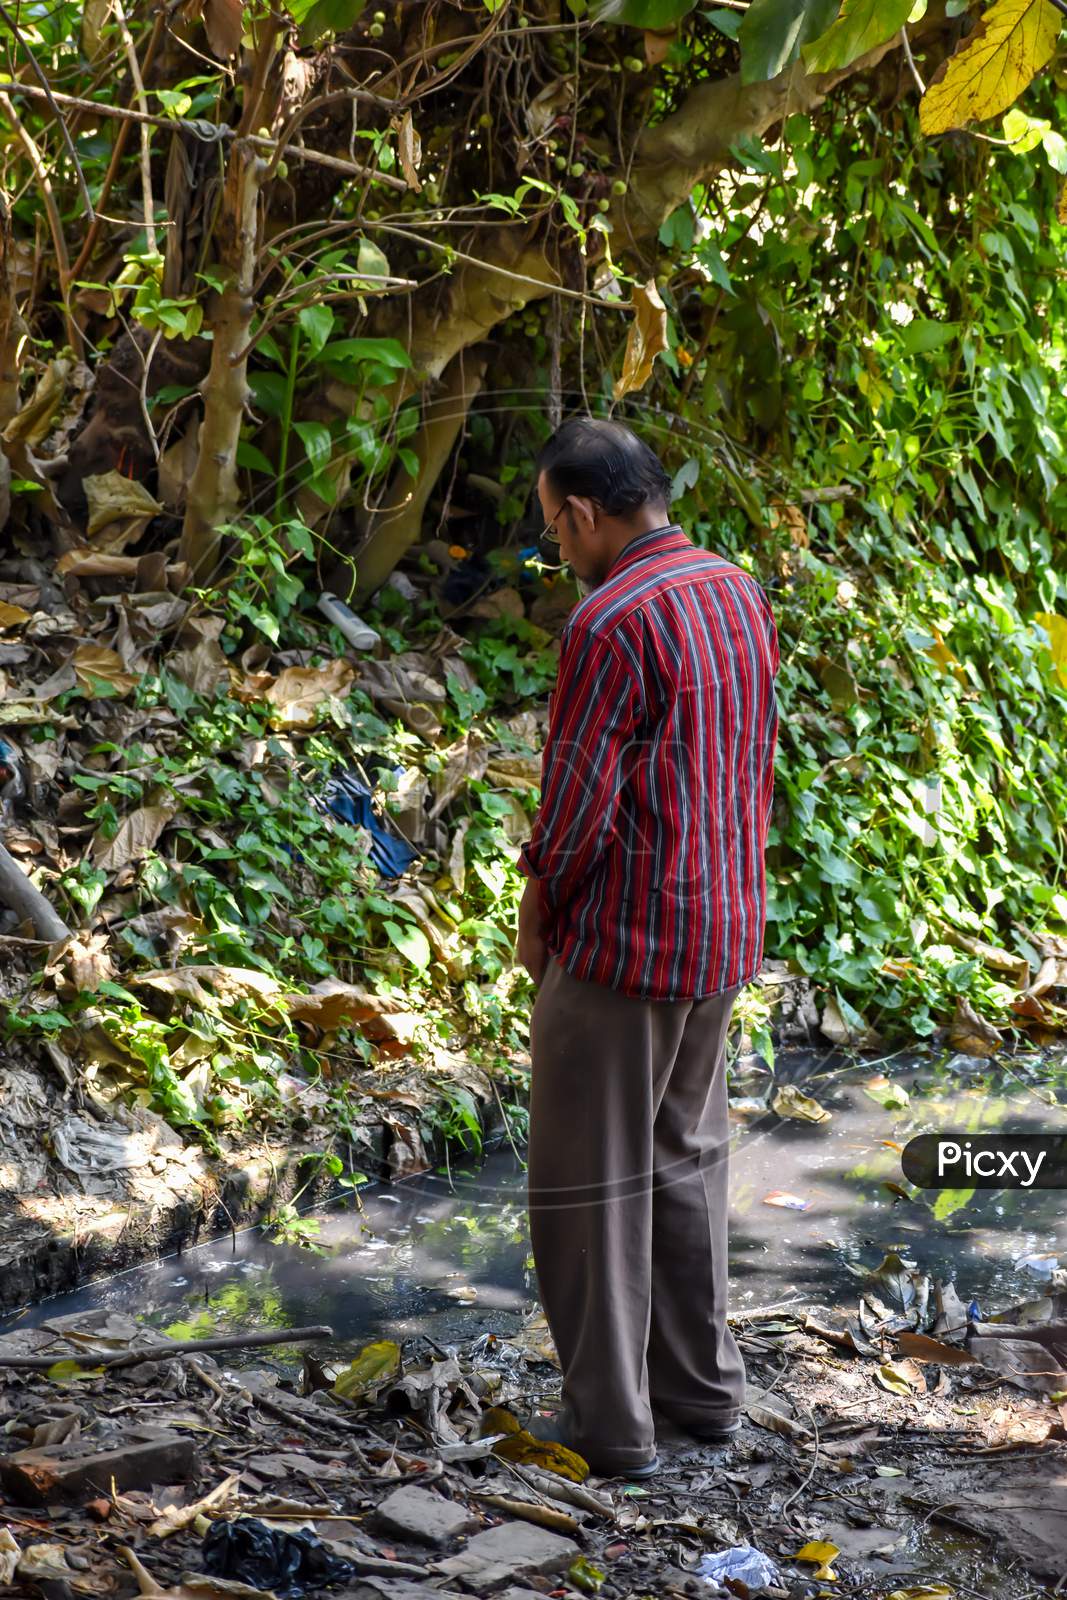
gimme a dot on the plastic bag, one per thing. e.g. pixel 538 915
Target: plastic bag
pixel 291 1564
pixel 742 1563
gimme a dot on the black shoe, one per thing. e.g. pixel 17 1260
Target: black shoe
pixel 709 1433
pixel 553 1430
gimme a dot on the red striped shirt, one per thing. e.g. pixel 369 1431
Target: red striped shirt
pixel 657 776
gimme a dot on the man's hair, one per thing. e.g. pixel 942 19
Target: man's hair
pixel 605 462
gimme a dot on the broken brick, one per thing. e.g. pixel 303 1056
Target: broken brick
pixel 38 1477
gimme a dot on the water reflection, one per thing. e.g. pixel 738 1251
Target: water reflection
pixel 448 1258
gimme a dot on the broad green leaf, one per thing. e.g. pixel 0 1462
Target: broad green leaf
pixel 884 1092
pixel 950 1200
pixel 315 437
pixel 411 942
pixel 389 352
pixel 250 455
pixel 1024 133
pixel 774 30
pixel 710 257
pixel 325 16
pixel 728 22
pixel 1055 146
pixel 371 260
pixel 654 14
pixel 862 25
pixel 924 335
pixel 316 322
pixel 993 65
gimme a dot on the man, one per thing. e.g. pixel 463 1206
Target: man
pixel 643 917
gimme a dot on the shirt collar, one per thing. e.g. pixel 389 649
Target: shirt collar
pixel 653 543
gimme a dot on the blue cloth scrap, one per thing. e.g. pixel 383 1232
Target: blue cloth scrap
pixel 347 797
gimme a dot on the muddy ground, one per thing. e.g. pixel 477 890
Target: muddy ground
pixel 894 1446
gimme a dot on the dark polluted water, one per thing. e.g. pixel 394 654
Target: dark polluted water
pixel 446 1254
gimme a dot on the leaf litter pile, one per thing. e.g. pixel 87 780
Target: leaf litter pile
pixel 903 1449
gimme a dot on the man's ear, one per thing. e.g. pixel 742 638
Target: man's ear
pixel 583 514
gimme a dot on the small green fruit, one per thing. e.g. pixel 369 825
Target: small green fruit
pixel 379 16
pixel 560 162
pixel 603 205
pixel 283 169
pixel 633 64
pixel 578 169
pixel 485 120
pixel 619 186
pixel 376 30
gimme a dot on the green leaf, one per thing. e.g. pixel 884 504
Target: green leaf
pixel 70 1371
pixel 316 439
pixel 325 16
pixel 950 1200
pixel 316 322
pixel 774 30
pixel 371 260
pixel 655 14
pixel 411 943
pixel 727 22
pixel 343 352
pixel 1024 133
pixel 710 257
pixel 862 25
pixel 922 335
pixel 250 455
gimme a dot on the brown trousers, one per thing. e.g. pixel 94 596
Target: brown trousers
pixel 627 1190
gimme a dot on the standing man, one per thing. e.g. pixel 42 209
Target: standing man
pixel 642 918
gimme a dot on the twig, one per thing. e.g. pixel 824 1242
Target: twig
pixel 799 1490
pixel 59 243
pixel 210 133
pixel 183 1347
pixel 919 84
pixel 146 149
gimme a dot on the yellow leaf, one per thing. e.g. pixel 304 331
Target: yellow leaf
pixel 791 1102
pixel 891 1377
pixel 526 1451
pixel 1061 208
pixel 944 657
pixel 375 1364
pixel 647 337
pixel 821 1554
pixel 498 1419
pixel 993 65
pixel 12 616
pixel 1055 625
pixel 924 1591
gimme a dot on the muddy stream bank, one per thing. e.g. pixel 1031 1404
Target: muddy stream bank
pixel 890 1417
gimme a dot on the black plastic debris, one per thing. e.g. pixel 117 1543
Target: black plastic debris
pixel 347 797
pixel 290 1564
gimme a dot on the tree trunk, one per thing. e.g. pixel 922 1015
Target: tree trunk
pixel 213 495
pixel 396 529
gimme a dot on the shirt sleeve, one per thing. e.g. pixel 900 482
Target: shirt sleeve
pixel 595 712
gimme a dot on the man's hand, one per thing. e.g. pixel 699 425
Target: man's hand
pixel 532 950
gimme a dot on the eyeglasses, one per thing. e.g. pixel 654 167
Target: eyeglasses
pixel 548 533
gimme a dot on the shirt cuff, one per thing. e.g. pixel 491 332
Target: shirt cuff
pixel 528 870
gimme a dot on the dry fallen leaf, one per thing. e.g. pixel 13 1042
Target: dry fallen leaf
pixel 789 1101
pixel 136 836
pixel 299 694
pixel 98 670
pixel 647 337
pixel 409 149
pixel 12 616
pixel 175 1518
pixel 971 1034
pixel 920 1347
